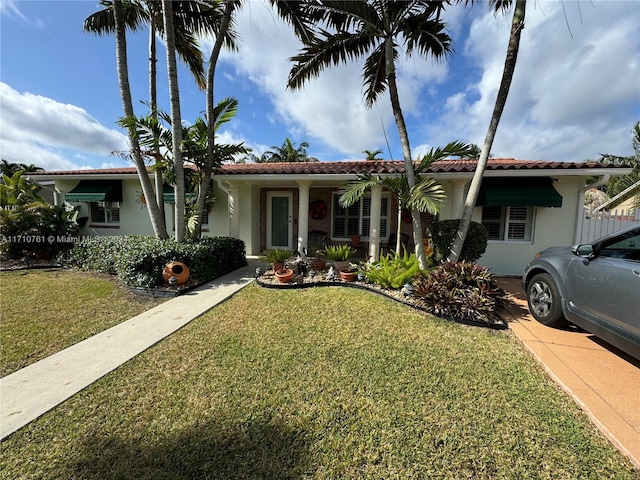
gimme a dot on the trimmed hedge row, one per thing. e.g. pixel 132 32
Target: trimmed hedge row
pixel 138 261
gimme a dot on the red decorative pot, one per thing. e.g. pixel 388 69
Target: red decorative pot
pixel 318 265
pixel 284 275
pixel 347 275
pixel 178 270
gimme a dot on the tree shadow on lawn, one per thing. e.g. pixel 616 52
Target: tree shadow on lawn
pixel 213 450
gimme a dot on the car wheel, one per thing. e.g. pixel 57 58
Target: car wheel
pixel 544 301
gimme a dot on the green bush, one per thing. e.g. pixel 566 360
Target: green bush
pixel 443 234
pixel 36 227
pixel 138 261
pixel 460 291
pixel 393 271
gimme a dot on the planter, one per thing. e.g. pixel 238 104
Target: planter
pixel 355 240
pixel 284 275
pixel 277 266
pixel 318 265
pixel 341 264
pixel 178 270
pixel 347 275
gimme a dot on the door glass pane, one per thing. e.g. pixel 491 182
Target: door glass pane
pixel 279 221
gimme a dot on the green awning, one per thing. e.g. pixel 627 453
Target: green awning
pixel 518 192
pixel 169 196
pixel 96 191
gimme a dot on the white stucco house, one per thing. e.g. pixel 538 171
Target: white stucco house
pixel 525 205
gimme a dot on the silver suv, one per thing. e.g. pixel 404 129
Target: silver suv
pixel 595 286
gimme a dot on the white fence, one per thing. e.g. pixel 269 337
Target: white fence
pixel 598 224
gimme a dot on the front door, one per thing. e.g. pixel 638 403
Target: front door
pixel 279 220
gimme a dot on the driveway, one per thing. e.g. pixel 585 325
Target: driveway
pixel 604 381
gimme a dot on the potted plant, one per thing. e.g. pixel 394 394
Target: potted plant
pixel 317 242
pixel 340 255
pixel 284 275
pixel 276 258
pixel 347 274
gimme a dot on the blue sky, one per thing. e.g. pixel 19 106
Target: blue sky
pixel 576 91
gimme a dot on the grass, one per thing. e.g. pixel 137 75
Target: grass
pixel 318 383
pixel 45 311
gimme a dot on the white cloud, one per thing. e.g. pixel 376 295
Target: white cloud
pixel 42 131
pixel 571 98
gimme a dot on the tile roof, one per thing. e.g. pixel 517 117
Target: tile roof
pixel 359 166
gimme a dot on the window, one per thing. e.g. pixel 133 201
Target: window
pixel 356 219
pixel 508 223
pixel 105 213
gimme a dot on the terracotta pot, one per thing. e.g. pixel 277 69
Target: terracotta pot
pixel 318 265
pixel 347 275
pixel 341 264
pixel 284 275
pixel 178 270
pixel 277 266
pixel 355 240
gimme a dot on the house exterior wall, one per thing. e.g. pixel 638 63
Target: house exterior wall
pixel 552 226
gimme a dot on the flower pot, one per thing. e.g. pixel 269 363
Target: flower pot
pixel 318 265
pixel 277 266
pixel 355 240
pixel 347 275
pixel 284 275
pixel 178 270
pixel 341 264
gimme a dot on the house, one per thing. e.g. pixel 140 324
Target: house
pixel 525 205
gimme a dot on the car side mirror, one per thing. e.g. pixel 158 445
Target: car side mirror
pixel 583 250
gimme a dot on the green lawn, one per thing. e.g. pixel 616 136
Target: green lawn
pixel 321 383
pixel 45 311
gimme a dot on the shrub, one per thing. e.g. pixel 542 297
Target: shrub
pixel 338 253
pixel 460 291
pixel 393 271
pixel 138 261
pixel 443 234
pixel 36 227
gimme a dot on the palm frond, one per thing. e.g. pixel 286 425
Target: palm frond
pixel 427 196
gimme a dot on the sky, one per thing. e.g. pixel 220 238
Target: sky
pixel 575 92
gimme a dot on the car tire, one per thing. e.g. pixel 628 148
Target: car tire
pixel 543 298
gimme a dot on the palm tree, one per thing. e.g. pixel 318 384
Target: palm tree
pixel 517 24
pixel 15 189
pixel 372 154
pixel 287 152
pixel 189 18
pixel 374 30
pixel 8 168
pixel 157 221
pixel 176 120
pixel 426 196
pixel 617 185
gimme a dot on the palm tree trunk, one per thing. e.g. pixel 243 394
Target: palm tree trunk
pixel 176 121
pixel 517 24
pixel 153 101
pixel 207 169
pixel 408 166
pixel 157 222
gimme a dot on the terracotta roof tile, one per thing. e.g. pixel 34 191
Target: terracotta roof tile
pixel 359 166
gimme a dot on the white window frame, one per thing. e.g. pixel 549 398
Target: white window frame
pixel 384 217
pixel 506 220
pixel 105 208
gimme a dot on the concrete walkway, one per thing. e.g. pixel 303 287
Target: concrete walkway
pixel 604 381
pixel 39 387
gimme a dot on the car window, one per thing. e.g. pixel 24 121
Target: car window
pixel 626 246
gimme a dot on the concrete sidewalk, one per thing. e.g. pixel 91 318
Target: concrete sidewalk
pixel 37 388
pixel 603 381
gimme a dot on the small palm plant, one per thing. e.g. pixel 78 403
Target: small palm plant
pixel 339 253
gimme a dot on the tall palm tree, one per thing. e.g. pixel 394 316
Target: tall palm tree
pixel 190 18
pixel 375 30
pixel 176 120
pixel 157 221
pixel 372 154
pixel 426 196
pixel 517 24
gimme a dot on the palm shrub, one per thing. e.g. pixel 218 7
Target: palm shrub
pixel 340 253
pixel 393 271
pixel 460 291
pixel 443 234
